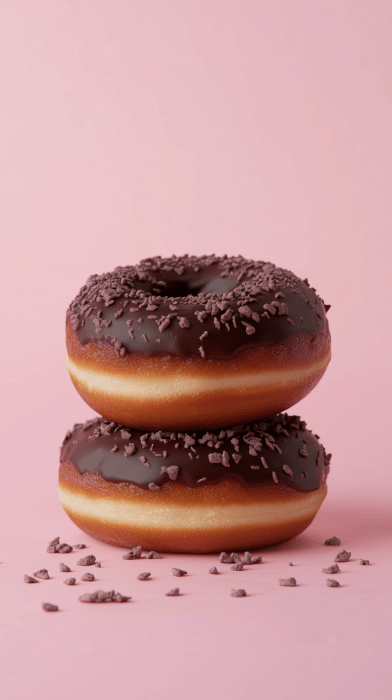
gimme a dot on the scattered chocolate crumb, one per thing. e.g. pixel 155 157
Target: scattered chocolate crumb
pixel 256 560
pixel 87 561
pixel 29 579
pixel 290 563
pixel 135 553
pixel 104 597
pixel 79 546
pixel 154 487
pixel 153 555
pixel 55 541
pixel 179 572
pixel 173 591
pixel 144 576
pixel 333 541
pixel 333 569
pixel 235 557
pixel 42 573
pixel 343 556
pixel 64 568
pixel 213 570
pixel 238 566
pixel 48 607
pixel 238 592
pixel 226 558
pixel 88 577
pixel 287 582
pixel 70 581
pixel 247 558
pixel 98 565
pixel 332 583
pixel 364 562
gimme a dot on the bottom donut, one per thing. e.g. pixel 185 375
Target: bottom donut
pixel 180 492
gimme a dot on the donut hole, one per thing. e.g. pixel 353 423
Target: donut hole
pixel 205 282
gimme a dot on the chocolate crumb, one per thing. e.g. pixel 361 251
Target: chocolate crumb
pixel 87 561
pixel 79 546
pixel 42 573
pixel 88 577
pixel 64 568
pixel 179 572
pixel 343 556
pixel 238 592
pixel 235 557
pixel 333 541
pixel 48 607
pixel 173 592
pixel 256 560
pixel 104 597
pixel 153 555
pixel 226 558
pixel 144 576
pixel 29 579
pixel 70 581
pixel 332 583
pixel 364 562
pixel 213 570
pixel 287 582
pixel 333 569
pixel 247 558
pixel 290 563
pixel 55 541
pixel 135 553
pixel 98 565
pixel 238 566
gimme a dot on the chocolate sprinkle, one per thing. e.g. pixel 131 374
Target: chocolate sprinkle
pixel 287 582
pixel 333 541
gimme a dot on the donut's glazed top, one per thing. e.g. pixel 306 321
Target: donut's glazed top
pixel 279 449
pixel 207 306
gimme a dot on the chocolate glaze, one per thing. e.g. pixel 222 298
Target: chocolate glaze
pixel 269 445
pixel 165 305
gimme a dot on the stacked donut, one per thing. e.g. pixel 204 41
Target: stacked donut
pixel 190 362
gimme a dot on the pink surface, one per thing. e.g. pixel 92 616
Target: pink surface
pixel 136 128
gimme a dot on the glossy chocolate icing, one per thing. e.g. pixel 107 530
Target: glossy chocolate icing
pixel 276 447
pixel 206 306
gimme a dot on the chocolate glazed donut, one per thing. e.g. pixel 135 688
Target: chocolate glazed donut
pixel 243 487
pixel 196 342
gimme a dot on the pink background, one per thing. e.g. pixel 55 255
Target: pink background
pixel 138 127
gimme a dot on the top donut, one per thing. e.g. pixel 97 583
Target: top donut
pixel 171 334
